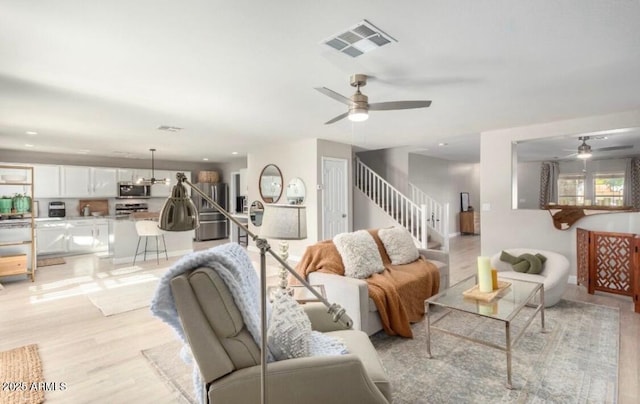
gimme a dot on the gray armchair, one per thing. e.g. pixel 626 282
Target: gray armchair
pixel 229 359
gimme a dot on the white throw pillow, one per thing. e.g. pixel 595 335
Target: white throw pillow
pixel 399 245
pixel 289 328
pixel 359 253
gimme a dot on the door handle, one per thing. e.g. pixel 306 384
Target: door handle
pixel 344 215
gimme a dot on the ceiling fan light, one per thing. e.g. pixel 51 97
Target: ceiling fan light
pixel 358 115
pixel 583 154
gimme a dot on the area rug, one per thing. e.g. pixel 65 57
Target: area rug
pixel 45 262
pixel 20 373
pixel 166 360
pixel 124 291
pixel 576 361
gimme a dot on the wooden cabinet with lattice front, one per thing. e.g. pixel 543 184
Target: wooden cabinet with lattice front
pixel 609 262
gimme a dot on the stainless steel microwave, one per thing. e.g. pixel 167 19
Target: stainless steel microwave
pixel 131 190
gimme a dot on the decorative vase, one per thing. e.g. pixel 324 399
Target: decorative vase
pixel 21 204
pixel 5 205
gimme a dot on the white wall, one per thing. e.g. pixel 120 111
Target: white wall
pixel 391 164
pixel 300 159
pixel 443 180
pixel 504 227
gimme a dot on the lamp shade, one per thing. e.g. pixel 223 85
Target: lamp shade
pixel 284 222
pixel 178 213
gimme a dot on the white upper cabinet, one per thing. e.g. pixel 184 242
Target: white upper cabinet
pixel 104 182
pixel 46 182
pixel 76 181
pixel 80 182
pixel 133 174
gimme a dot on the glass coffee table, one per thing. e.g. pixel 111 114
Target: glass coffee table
pixel 503 309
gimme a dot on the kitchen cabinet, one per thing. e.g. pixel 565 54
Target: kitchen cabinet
pixel 79 182
pixel 73 236
pixel 46 181
pixel 17 238
pixel 104 182
pixel 91 235
pixel 133 174
pixel 51 238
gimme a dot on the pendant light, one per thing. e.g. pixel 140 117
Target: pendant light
pixel 153 179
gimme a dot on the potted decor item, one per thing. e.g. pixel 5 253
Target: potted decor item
pixel 5 204
pixel 21 203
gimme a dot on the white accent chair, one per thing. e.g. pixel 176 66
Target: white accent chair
pixel 554 275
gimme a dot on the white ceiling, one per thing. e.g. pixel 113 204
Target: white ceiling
pixel 99 77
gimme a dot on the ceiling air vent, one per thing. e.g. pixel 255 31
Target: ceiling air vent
pixel 361 38
pixel 169 128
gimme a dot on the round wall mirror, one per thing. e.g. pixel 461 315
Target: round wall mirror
pixel 295 192
pixel 270 183
pixel 255 213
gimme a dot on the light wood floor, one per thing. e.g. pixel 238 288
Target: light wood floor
pixel 99 357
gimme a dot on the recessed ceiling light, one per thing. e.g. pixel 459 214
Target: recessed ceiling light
pixel 443 144
pixel 32 133
pixel 170 128
pixel 205 159
pixel 83 151
pixel 28 145
pixel 234 153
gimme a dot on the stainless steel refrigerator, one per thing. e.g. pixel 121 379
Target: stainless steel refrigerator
pixel 213 225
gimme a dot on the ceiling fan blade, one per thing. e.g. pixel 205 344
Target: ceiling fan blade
pixel 330 93
pixel 612 148
pixel 386 106
pixel 337 118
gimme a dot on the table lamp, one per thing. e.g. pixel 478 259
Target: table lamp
pixel 180 214
pixel 284 222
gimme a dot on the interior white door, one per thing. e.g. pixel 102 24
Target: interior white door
pixel 335 197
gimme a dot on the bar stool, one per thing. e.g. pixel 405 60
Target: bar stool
pixel 146 229
pixel 243 238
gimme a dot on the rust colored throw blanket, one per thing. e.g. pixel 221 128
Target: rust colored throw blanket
pixel 398 292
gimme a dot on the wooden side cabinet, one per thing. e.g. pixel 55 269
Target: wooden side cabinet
pixel 470 222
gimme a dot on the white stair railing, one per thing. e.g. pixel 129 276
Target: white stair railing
pixel 408 214
pixel 437 213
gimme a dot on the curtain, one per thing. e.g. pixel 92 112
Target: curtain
pixel 549 172
pixel 632 183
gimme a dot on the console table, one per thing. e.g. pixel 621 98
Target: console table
pixel 609 262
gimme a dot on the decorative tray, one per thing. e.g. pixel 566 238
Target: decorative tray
pixel 474 292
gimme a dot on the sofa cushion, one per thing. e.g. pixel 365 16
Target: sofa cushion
pixel 359 254
pixel 399 245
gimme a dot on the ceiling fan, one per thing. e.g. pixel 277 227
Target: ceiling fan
pixel 585 151
pixel 358 103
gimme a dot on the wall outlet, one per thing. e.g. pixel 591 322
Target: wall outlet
pixel 486 207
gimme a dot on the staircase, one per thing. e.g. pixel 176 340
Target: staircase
pixel 437 213
pixel 417 218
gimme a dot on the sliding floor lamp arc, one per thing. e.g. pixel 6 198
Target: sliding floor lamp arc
pixel 180 214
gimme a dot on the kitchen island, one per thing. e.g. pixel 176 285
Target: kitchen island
pixel 125 240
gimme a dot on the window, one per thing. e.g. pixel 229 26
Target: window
pixel 571 189
pixel 608 189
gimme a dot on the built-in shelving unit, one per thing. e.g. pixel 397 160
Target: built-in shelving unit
pixel 17 243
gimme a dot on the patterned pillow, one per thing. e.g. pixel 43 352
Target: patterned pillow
pixel 289 328
pixel 399 244
pixel 359 253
